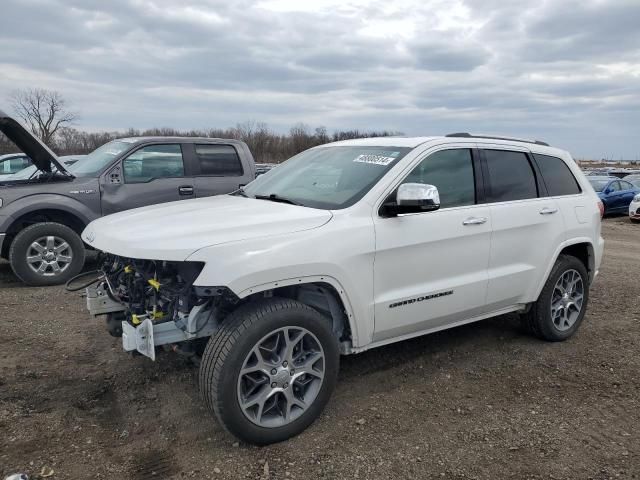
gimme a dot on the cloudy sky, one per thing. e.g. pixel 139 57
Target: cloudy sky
pixel 560 70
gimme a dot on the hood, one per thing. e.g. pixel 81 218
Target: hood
pixel 173 231
pixel 38 152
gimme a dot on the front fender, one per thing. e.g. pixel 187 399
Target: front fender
pixel 340 255
pixel 45 201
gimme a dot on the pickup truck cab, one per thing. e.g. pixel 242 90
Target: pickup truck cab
pixel 343 248
pixel 42 216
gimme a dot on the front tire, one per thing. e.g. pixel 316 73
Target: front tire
pixel 562 304
pixel 46 253
pixel 269 371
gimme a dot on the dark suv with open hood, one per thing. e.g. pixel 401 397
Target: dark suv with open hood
pixel 42 216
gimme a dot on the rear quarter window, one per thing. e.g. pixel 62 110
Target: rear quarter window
pixel 557 176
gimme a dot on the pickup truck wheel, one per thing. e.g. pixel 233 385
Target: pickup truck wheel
pixel 269 371
pixel 46 254
pixel 562 304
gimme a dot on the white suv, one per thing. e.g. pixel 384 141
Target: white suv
pixel 343 248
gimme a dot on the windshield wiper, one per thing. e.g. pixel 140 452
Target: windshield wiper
pixel 240 192
pixel 275 198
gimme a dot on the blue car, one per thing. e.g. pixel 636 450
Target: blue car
pixel 616 194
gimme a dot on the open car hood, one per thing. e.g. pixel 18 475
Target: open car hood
pixel 43 158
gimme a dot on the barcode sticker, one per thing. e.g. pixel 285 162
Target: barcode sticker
pixel 374 159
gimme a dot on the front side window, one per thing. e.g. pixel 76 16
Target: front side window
pixel 511 176
pixel 451 172
pixel 332 177
pixel 154 161
pixel 219 160
pixel 557 176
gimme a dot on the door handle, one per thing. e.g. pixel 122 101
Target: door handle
pixel 475 221
pixel 185 190
pixel 548 211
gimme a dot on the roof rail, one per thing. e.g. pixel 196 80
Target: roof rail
pixel 468 135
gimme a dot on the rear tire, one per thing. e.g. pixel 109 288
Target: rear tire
pixel 260 397
pixel 562 304
pixel 46 253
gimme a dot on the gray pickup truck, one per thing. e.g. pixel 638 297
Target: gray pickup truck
pixel 41 217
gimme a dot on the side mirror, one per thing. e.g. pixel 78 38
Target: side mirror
pixel 607 191
pixel 414 198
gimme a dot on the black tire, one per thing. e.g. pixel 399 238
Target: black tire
pixel 538 319
pixel 22 243
pixel 227 350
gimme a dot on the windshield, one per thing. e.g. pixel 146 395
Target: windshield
pixel 102 156
pixel 327 177
pixel 598 185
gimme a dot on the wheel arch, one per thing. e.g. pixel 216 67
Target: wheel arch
pixel 322 293
pixel 39 215
pixel 582 249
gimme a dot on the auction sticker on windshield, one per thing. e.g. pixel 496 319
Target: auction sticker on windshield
pixel 375 159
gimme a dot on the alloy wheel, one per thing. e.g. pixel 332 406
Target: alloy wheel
pixel 281 377
pixel 49 256
pixel 567 299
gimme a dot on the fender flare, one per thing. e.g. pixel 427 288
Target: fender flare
pixel 556 254
pixel 48 201
pixel 287 282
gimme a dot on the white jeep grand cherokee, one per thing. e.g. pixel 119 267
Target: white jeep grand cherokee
pixel 343 248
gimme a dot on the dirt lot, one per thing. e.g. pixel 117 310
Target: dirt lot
pixel 480 401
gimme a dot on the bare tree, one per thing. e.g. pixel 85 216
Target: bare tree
pixel 44 111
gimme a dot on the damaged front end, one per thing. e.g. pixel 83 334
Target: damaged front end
pixel 153 303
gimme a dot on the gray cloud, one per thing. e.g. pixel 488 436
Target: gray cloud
pixel 568 72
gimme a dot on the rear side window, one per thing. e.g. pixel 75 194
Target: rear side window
pixel 625 185
pixel 451 171
pixel 557 176
pixel 219 160
pixel 511 176
pixel 154 161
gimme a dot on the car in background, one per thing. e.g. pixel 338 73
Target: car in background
pixel 633 178
pixel 634 209
pixel 41 216
pixel 262 168
pixel 13 162
pixel 32 170
pixel 616 194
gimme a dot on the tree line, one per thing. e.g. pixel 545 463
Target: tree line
pixel 45 113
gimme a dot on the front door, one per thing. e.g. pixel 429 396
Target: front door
pixel 430 268
pixel 150 175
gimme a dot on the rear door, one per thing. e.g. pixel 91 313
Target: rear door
pixel 526 225
pixel 149 175
pixel 217 169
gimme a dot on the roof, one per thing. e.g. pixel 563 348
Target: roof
pixel 156 139
pixel 413 142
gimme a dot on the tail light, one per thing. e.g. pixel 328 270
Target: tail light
pixel 601 208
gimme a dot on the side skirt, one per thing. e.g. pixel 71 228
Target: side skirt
pixel 387 341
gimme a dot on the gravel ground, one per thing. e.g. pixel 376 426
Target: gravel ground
pixel 481 401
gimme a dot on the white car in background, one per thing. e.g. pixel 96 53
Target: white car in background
pixel 634 209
